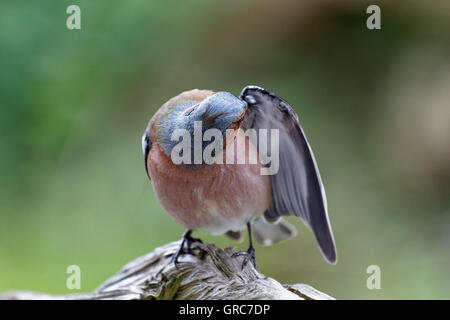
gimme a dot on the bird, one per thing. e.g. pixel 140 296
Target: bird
pixel 227 197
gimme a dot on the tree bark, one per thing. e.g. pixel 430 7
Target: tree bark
pixel 208 273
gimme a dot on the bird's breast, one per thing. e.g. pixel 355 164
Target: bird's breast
pixel 218 197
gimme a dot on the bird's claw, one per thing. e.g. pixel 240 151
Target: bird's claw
pixel 186 241
pixel 249 255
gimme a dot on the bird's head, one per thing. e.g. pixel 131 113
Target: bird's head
pixel 219 111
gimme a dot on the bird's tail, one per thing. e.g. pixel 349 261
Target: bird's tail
pixel 268 233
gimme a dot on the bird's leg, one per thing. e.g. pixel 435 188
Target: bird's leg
pixel 250 253
pixel 186 240
pixel 190 239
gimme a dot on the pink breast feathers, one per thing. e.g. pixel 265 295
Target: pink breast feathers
pixel 218 197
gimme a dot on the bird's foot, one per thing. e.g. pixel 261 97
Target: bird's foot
pixel 249 255
pixel 185 247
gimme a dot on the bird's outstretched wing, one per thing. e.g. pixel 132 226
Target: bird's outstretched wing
pixel 297 187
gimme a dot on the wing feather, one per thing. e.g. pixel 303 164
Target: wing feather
pixel 297 187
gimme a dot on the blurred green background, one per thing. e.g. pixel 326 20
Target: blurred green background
pixel 375 106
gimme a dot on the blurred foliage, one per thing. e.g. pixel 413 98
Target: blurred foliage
pixel 374 104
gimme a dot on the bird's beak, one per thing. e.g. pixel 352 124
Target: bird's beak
pixel 189 110
pixel 235 126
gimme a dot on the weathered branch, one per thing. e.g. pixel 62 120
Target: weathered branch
pixel 209 273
